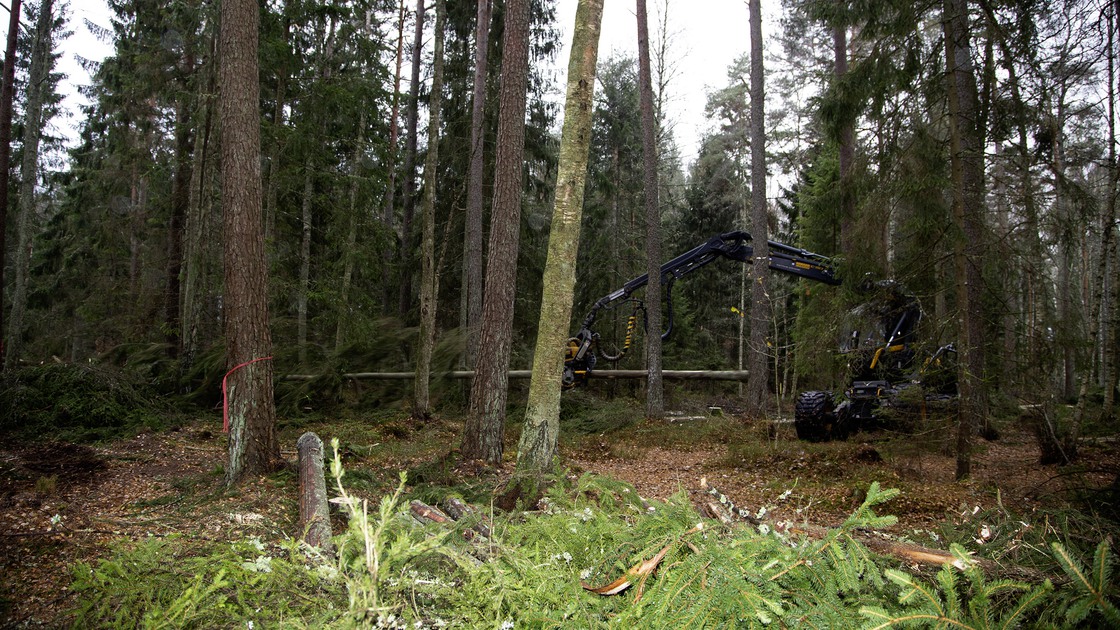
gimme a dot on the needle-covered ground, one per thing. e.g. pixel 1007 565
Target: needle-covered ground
pixel 62 503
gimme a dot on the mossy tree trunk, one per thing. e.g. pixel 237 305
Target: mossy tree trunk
pixel 542 415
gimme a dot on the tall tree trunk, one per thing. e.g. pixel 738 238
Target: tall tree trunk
pixel 1036 303
pixel 304 261
pixel 388 211
pixel 655 394
pixel 272 183
pixel 1069 235
pixel 1008 363
pixel 1101 285
pixel 405 256
pixel 253 445
pixel 41 51
pixel 198 224
pixel 473 246
pixel 760 270
pixel 542 415
pixel 180 202
pixel 348 254
pixel 482 435
pixel 1111 340
pixel 429 276
pixel 847 148
pixel 968 201
pixel 7 92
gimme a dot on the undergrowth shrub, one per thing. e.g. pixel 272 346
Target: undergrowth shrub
pixel 164 583
pixel 77 403
pixel 682 571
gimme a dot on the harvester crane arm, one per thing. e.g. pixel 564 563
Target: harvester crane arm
pixel 580 357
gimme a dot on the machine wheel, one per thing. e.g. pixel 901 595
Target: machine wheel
pixel 814 417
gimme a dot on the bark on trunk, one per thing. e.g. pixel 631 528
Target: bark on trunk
pixel 199 220
pixel 429 277
pixel 314 512
pixel 7 92
pixel 41 50
pixel 253 445
pixel 655 394
pixel 473 245
pixel 404 254
pixel 760 269
pixel 388 211
pixel 180 202
pixel 968 200
pixel 847 148
pixel 304 263
pixel 542 415
pixel 483 434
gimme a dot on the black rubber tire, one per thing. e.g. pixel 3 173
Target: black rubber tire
pixel 813 416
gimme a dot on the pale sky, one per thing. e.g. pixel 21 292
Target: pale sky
pixel 705 37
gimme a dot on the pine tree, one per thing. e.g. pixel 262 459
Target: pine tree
pixel 253 445
pixel 482 435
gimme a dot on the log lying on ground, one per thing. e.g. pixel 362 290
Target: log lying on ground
pixel 314 516
pixel 456 510
pixel 459 510
pixel 681 375
pixel 726 510
pixel 427 514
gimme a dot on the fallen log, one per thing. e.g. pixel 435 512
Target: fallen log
pixel 459 510
pixel 314 516
pixel 680 375
pixel 427 514
pixel 726 510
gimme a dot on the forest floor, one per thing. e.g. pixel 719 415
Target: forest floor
pixel 64 504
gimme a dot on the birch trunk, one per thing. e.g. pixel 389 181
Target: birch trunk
pixel 542 415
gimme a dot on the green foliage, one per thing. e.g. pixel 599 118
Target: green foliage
pixel 537 567
pixel 1091 586
pixel 77 403
pixel 164 583
pixel 948 602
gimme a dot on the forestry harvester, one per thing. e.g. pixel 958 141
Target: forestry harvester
pixel 881 358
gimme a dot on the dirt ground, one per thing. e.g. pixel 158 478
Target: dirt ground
pixel 62 504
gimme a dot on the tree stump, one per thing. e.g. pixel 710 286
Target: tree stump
pixel 314 517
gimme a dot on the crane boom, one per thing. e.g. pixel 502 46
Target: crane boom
pixel 580 358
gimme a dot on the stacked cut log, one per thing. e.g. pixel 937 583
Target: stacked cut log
pixel 454 510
